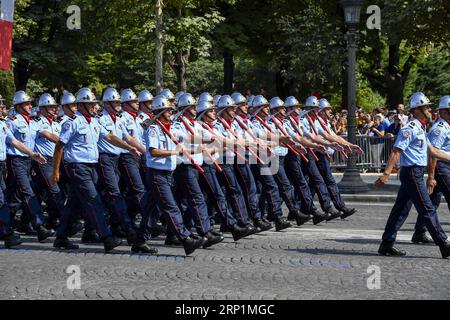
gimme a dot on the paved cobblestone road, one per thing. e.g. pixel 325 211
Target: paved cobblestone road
pixel 328 261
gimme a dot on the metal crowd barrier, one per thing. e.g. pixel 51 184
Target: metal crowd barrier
pixel 376 154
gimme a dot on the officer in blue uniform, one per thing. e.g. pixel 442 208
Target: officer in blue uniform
pixel 162 153
pixel 323 127
pixel 438 171
pixel 270 191
pixel 47 136
pixel 19 164
pixel 411 147
pixel 6 137
pixel 279 125
pixel 223 125
pixel 79 145
pixel 310 169
pixel 206 115
pixel 137 197
pixel 187 176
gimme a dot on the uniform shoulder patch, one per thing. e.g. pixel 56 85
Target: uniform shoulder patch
pixel 67 125
pixel 73 117
pixel 440 124
pixel 406 133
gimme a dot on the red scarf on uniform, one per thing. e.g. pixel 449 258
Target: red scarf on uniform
pixel 88 118
pixel 166 125
pixel 133 114
pixel 27 118
pixel 423 123
pixel 113 117
pixel 50 119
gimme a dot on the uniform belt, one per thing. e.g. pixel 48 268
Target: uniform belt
pixel 92 165
pixel 161 171
pixel 15 157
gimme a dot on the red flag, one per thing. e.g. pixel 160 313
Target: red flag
pixel 6 30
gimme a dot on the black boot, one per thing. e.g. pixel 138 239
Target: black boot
pixel 172 241
pixel 318 217
pixel 347 212
pixel 263 224
pixel 239 232
pixel 190 245
pixel 299 217
pixel 110 243
pixel 132 237
pixel 281 224
pixel 332 214
pixel 12 240
pixel 26 229
pixel 43 233
pixel 419 238
pixel 118 232
pixel 143 248
pixel 64 243
pixel 388 249
pixel 74 228
pixel 89 237
pixel 158 230
pixel 212 240
pixel 217 233
pixel 445 250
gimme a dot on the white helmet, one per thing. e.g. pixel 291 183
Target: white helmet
pixel 323 104
pixel 160 103
pixel 206 96
pixel 259 101
pixel 46 100
pixel 202 107
pixel 312 102
pixel 276 102
pixel 178 95
pixel 417 100
pixel 67 98
pixel 216 99
pixel 238 98
pixel 12 112
pixel 250 100
pixel 111 95
pixel 444 102
pixel 291 102
pixel 128 95
pixel 186 100
pixel 145 96
pixel 168 94
pixel 21 97
pixel 225 102
pixel 85 95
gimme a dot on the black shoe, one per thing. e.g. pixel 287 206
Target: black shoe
pixel 43 233
pixel 421 238
pixel 118 232
pixel 190 245
pixel 251 229
pixel 319 217
pixel 12 240
pixel 281 224
pixel 211 240
pixel 64 243
pixel 89 237
pixel 388 249
pixel 132 237
pixel 263 224
pixel 111 242
pixel 217 233
pixel 347 212
pixel 239 232
pixel 143 248
pixel 27 230
pixel 445 250
pixel 292 216
pixel 158 230
pixel 75 228
pixel 172 241
pixel 332 214
pixel 300 218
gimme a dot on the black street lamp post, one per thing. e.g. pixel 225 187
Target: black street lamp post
pixel 351 181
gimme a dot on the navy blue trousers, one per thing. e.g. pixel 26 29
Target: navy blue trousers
pixel 413 191
pixel 269 192
pixel 248 186
pixel 325 170
pixel 161 186
pixel 83 178
pixel 316 182
pixel 19 185
pixel 5 222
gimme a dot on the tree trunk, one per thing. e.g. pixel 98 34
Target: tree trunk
pixel 159 47
pixel 228 71
pixel 283 86
pixel 22 74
